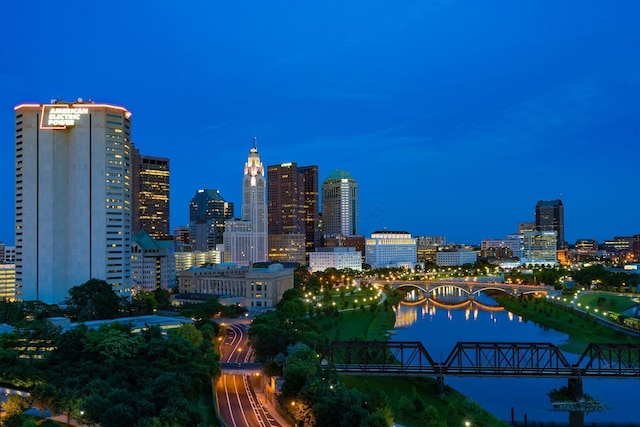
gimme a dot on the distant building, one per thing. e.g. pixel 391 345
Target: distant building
pixel 73 198
pixel 152 263
pixel 539 247
pixel 501 248
pixel 208 212
pixel 245 240
pixel 292 194
pixel 427 247
pixel 254 288
pixel 456 257
pixel 550 217
pixel 286 248
pixel 391 249
pixel 340 204
pixel 9 255
pixel 357 242
pixel 586 247
pixel 150 195
pixel 181 239
pixel 186 260
pixel 8 282
pixel 335 257
pixel 620 243
pixel 524 227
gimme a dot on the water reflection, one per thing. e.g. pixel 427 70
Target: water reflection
pixel 445 318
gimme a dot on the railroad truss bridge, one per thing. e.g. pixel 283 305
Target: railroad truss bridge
pixel 482 359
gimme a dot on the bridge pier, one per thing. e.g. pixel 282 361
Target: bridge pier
pixel 575 388
pixel 440 385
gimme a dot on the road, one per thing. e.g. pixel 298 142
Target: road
pixel 238 404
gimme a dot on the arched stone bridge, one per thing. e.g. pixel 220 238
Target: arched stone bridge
pixel 471 288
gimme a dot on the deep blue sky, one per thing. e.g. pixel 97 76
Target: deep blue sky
pixel 455 117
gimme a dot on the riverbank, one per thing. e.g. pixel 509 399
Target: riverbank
pixel 414 400
pixel 581 328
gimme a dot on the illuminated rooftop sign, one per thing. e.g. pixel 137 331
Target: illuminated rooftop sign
pixel 60 117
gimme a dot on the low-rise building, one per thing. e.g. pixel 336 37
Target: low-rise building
pixel 501 248
pixel 456 257
pixel 8 282
pixel 339 257
pixel 391 249
pixel 187 260
pixel 253 288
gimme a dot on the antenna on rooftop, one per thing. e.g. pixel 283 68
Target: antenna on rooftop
pixel 255 142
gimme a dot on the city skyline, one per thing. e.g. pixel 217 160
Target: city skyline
pixel 455 118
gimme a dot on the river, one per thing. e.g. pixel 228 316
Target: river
pixel 450 318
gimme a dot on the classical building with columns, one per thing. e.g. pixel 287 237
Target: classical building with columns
pixel 253 288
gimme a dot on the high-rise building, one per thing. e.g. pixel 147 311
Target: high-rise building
pixel 245 240
pixel 207 213
pixel 292 208
pixel 550 217
pixel 340 204
pixel 150 195
pixel 73 198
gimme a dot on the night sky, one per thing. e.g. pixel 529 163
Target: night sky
pixel 455 117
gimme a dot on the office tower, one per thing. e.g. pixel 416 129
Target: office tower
pixel 207 213
pixel 293 209
pixel 73 198
pixel 550 217
pixel 539 248
pixel 150 195
pixel 245 240
pixel 340 204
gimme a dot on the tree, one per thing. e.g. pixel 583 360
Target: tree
pixel 15 404
pixel 93 300
pixel 66 402
pixel 42 397
pixel 189 332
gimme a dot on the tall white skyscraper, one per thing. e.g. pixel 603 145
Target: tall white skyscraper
pixel 245 239
pixel 73 198
pixel 340 204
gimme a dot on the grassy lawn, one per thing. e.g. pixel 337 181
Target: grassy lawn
pixel 581 329
pixel 606 302
pixel 344 298
pixel 359 325
pixel 453 407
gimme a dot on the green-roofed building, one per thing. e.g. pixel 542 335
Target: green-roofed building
pixel 152 263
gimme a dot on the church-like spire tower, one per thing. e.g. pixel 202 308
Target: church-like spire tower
pixel 246 240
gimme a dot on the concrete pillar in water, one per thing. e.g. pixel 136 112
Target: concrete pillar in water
pixel 575 388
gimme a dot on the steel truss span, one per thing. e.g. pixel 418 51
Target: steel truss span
pixel 497 359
